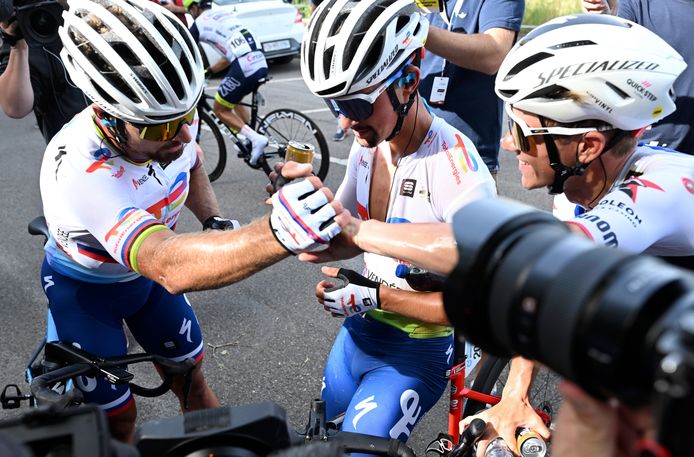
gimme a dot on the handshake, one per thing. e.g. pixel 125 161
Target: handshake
pixel 305 217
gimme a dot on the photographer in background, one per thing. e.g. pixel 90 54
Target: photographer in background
pixel 32 77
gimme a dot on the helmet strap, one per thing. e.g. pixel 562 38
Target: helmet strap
pixel 400 108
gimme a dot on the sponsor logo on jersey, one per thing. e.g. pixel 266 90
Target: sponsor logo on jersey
pixel 430 137
pixel 409 404
pixel 467 161
pixel 689 185
pixel 176 196
pixel 118 173
pixel 632 185
pixel 451 162
pixel 138 182
pixel 101 164
pixel 622 209
pixel 608 236
pixel 407 187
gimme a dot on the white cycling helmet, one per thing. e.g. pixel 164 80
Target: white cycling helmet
pixel 133 58
pixel 616 71
pixel 354 44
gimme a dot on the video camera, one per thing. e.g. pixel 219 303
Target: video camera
pixel 617 324
pixel 38 20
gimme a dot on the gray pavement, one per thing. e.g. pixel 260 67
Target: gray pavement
pixel 267 337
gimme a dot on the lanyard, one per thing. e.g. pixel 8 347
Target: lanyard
pixel 449 22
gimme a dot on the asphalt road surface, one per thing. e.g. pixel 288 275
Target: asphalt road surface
pixel 267 337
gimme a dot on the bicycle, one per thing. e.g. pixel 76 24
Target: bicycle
pixel 280 126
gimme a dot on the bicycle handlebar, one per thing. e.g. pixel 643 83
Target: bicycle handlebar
pixel 81 363
pixel 357 442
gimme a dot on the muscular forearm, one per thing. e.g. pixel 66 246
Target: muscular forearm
pixel 481 52
pixel 520 377
pixel 16 93
pixel 201 198
pixel 423 306
pixel 430 246
pixel 207 260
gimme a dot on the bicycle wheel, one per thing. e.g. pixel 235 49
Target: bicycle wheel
pixel 213 146
pixel 284 125
pixel 491 379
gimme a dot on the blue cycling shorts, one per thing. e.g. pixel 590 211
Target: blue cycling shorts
pixel 91 316
pixel 237 85
pixel 383 380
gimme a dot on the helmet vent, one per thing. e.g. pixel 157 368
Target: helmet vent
pixel 102 65
pixel 327 58
pixel 331 90
pixel 525 63
pixel 553 92
pixel 617 90
pixel 573 44
pixel 508 93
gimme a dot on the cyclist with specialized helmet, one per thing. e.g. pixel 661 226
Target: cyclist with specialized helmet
pixel 386 370
pixel 113 184
pixel 242 54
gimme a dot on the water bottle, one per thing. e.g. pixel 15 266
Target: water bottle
pixel 530 444
pixel 419 279
pixel 498 448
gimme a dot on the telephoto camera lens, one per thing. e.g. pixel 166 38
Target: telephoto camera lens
pixel 39 21
pixel 525 286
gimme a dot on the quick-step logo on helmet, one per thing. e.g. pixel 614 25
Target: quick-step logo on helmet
pixel 593 67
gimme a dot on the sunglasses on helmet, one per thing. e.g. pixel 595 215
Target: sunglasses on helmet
pixel 521 132
pixel 358 107
pixel 166 131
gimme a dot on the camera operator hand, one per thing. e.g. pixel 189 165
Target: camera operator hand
pixel 586 426
pixel 511 413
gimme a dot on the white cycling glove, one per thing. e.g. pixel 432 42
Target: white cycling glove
pixel 356 296
pixel 302 219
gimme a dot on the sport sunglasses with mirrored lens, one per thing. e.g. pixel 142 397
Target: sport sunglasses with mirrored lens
pixel 166 131
pixel 359 107
pixel 521 132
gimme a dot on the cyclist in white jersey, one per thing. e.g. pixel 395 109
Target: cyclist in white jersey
pixel 385 369
pixel 242 54
pixel 579 91
pixel 114 181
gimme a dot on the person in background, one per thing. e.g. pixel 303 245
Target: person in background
pixel 466 45
pixel 32 77
pixel 176 7
pixel 246 65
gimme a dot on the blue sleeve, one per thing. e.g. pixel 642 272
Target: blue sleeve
pixel 627 10
pixel 506 14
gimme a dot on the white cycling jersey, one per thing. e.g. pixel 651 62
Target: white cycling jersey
pixel 429 185
pixel 100 205
pixel 650 207
pixel 227 34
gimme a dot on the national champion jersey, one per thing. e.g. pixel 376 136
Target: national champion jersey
pixel 225 32
pixel 650 207
pixel 100 205
pixel 429 185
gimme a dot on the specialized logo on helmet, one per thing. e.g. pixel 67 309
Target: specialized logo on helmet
pixel 568 71
pixel 384 65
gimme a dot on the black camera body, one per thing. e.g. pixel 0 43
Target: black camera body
pixel 38 20
pixel 616 323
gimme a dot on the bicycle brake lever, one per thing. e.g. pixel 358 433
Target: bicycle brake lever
pixel 468 438
pixel 187 384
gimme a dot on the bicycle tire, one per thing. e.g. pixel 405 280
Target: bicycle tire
pixel 284 125
pixel 214 148
pixel 544 395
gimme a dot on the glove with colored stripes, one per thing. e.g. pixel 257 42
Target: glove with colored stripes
pixel 302 218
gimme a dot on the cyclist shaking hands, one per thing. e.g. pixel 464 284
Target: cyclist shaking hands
pixel 113 184
pixel 386 370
